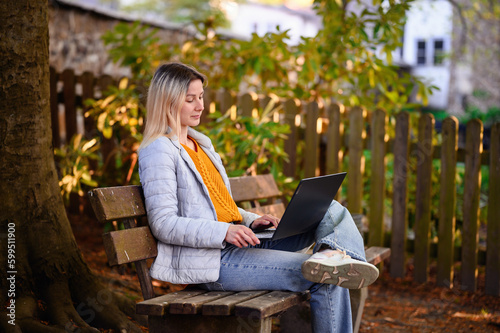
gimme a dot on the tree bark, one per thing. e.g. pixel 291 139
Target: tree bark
pixel 45 285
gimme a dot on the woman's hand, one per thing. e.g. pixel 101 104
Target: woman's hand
pixel 264 222
pixel 241 236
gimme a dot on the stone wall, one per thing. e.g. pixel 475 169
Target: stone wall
pixel 75 32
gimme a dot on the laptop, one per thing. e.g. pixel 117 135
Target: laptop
pixel 306 209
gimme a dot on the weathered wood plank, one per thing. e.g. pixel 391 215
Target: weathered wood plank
pixel 492 283
pixel 208 99
pixel 208 324
pixel 376 254
pixel 291 107
pixel 472 188
pixel 356 160
pixel 87 81
pixel 225 100
pixel 246 104
pixel 377 179
pixel 158 306
pixel 447 203
pixel 129 245
pixel 54 109
pixel 69 81
pixel 193 305
pixel 334 153
pixel 225 306
pixel 119 202
pixel 273 209
pixel 270 304
pixel 253 187
pixel 141 265
pixel 311 154
pixel 400 195
pixel 423 196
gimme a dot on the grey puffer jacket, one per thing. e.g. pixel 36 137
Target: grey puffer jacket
pixel 180 212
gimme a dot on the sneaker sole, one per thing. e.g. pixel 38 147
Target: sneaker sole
pixel 352 275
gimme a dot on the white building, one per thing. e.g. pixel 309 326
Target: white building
pixel 252 17
pixel 426 44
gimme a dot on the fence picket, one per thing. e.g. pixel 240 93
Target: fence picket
pixel 492 280
pixel 69 82
pixel 312 140
pixel 225 100
pixel 291 107
pixel 87 80
pixel 246 103
pixel 334 135
pixel 377 179
pixel 400 195
pixel 356 160
pixel 447 202
pixel 208 99
pixel 472 183
pixel 423 196
pixel 54 109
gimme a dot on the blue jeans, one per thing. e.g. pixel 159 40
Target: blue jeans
pixel 275 265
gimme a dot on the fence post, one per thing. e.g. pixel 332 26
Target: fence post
pixel 334 153
pixel 400 195
pixel 312 140
pixel 472 188
pixel 356 160
pixel 425 150
pixel 291 107
pixel 246 104
pixel 54 109
pixel 208 98
pixel 225 101
pixel 69 81
pixel 377 179
pixel 87 80
pixel 447 202
pixel 492 282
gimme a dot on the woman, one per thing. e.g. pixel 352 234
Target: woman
pixel 205 239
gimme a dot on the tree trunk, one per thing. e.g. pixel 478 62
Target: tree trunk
pixel 45 285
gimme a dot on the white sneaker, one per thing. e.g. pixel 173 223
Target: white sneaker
pixel 336 267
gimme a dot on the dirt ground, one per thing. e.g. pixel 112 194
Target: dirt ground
pixel 393 305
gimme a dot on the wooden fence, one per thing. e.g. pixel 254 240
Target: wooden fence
pixel 337 139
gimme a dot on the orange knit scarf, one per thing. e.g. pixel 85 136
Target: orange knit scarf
pixel 225 207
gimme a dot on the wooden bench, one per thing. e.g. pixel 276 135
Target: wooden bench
pixel 196 310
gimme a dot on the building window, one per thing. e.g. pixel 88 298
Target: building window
pixel 421 56
pixel 438 51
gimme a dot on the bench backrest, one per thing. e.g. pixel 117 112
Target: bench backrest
pixel 136 243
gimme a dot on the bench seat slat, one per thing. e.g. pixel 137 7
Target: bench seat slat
pixel 270 304
pixel 192 305
pixel 158 306
pixel 273 209
pixel 225 306
pixel 129 245
pixel 376 254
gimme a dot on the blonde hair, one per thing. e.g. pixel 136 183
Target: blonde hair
pixel 166 96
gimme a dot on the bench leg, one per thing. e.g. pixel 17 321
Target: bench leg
pixel 358 298
pixel 208 324
pixel 297 319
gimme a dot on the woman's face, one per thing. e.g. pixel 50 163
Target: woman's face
pixel 193 105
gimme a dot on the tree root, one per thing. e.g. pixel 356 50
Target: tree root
pixel 61 310
pixel 101 307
